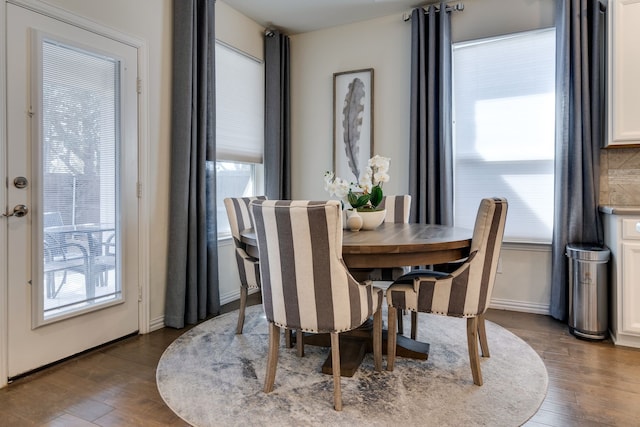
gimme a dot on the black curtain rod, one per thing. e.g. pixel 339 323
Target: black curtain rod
pixel 458 7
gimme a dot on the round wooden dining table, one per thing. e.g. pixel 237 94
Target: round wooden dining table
pixel 395 245
pixel 398 245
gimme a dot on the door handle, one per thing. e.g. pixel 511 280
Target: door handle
pixel 18 211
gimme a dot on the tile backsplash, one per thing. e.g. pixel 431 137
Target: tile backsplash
pixel 620 177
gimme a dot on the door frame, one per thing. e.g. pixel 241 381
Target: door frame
pixel 143 156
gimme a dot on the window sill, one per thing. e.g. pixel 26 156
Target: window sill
pixel 527 246
pixel 225 240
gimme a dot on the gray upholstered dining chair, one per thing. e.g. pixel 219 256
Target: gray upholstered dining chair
pixel 397 212
pixel 305 283
pixel 248 266
pixel 463 293
pixel 397 207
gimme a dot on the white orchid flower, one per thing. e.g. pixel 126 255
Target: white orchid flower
pixel 365 181
pixel 328 180
pixel 379 163
pixel 341 188
pixel 381 177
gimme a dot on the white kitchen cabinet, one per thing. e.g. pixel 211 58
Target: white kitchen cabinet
pixel 623 72
pixel 622 237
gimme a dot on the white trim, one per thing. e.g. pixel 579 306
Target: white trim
pixel 527 246
pixel 144 323
pixel 624 339
pixel 78 21
pixel 4 308
pixel 522 306
pixel 484 40
pixel 229 297
pixel 234 296
pixel 156 324
pixel 240 51
pixel 226 240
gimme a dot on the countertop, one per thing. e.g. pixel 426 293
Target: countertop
pixel 620 210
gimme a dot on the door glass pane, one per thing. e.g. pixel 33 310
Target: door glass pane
pixel 79 188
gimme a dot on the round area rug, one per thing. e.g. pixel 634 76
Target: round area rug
pixel 212 377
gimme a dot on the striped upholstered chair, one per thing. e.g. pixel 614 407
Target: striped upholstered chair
pixel 305 283
pixel 248 266
pixel 463 293
pixel 398 208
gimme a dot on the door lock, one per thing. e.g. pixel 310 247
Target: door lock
pixel 18 211
pixel 20 182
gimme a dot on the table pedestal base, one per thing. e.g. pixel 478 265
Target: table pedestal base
pixel 355 344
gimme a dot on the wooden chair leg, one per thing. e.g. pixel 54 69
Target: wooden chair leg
pixel 414 324
pixel 391 338
pixel 272 358
pixel 472 342
pixel 482 334
pixel 335 367
pixel 300 342
pixel 243 305
pixel 377 340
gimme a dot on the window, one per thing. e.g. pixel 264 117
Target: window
pixel 503 130
pixel 239 128
pixel 235 180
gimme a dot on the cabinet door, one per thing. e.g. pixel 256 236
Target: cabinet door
pixel 630 287
pixel 624 69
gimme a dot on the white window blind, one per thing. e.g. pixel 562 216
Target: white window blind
pixel 504 121
pixel 239 106
pixel 79 175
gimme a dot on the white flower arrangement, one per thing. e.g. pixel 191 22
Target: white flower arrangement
pixel 367 194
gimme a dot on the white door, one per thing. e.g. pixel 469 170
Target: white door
pixel 72 206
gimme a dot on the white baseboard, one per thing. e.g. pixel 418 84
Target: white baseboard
pixel 625 340
pixel 234 296
pixel 230 296
pixel 157 323
pixel 523 306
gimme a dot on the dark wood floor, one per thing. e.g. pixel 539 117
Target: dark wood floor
pixel 590 383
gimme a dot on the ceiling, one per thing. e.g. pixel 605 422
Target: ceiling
pixel 301 16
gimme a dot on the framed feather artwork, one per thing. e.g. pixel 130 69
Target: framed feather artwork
pixel 352 122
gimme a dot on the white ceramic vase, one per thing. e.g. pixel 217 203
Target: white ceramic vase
pixel 372 219
pixel 354 220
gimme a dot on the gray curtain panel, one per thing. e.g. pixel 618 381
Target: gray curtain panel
pixel 192 275
pixel 277 133
pixel 580 103
pixel 431 166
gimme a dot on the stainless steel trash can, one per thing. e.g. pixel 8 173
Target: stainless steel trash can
pixel 588 290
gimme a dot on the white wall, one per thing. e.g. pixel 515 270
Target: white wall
pixel 384 45
pixel 235 29
pixel 378 44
